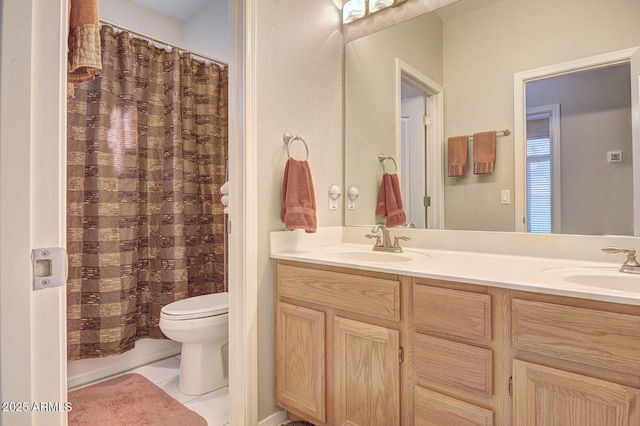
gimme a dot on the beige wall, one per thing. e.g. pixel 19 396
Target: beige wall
pixel 299 89
pixel 370 101
pixel 483 50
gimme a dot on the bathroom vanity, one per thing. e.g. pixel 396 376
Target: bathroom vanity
pixel 365 340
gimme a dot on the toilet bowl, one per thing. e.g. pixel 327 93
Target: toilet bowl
pixel 200 323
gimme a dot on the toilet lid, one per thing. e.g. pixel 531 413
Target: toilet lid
pixel 198 306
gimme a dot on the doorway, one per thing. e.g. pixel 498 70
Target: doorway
pixel 600 167
pixel 413 179
pixel 419 108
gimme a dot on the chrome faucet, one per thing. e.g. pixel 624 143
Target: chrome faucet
pixel 631 265
pixel 383 240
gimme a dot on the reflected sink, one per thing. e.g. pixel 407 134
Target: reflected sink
pixel 619 282
pixel 599 277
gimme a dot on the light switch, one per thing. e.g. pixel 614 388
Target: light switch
pixel 505 196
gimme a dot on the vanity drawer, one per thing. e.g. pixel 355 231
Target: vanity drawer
pixel 452 312
pixel 377 297
pixel 432 408
pixel 454 364
pixel 585 336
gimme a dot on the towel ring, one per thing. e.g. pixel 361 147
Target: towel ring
pixel 289 138
pixel 382 158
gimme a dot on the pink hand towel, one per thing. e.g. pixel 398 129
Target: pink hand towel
pixel 458 155
pixel 390 201
pixel 484 152
pixel 298 197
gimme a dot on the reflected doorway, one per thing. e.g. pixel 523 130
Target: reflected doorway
pixel 419 112
pixel 583 185
pixel 413 176
pixel 589 196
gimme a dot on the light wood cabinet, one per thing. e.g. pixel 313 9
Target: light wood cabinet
pixel 341 334
pixel 300 363
pixel 577 362
pixel 367 385
pixel 459 379
pixel 544 396
pixel 338 345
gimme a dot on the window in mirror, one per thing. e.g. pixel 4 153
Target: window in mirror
pixel 542 171
pixel 539 185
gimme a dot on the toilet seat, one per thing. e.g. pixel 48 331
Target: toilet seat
pixel 203 306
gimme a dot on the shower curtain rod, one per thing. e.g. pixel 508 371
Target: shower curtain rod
pixel 147 37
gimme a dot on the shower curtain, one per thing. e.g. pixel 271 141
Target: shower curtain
pixel 147 143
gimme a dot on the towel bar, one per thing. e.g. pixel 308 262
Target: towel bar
pixel 505 132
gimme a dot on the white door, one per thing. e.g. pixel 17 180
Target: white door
pixel 32 209
pixel 413 149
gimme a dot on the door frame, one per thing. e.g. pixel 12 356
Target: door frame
pixel 243 216
pixel 33 208
pixel 434 149
pixel 520 119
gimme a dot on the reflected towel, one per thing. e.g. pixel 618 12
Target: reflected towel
pixel 224 189
pixel 484 152
pixel 84 50
pixel 298 197
pixel 458 155
pixel 390 201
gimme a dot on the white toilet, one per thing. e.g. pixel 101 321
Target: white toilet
pixel 200 323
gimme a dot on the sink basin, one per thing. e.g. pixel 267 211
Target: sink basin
pixel 621 282
pixel 370 256
pixel 374 256
pixel 599 277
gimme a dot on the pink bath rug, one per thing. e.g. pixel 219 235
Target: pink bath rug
pixel 126 400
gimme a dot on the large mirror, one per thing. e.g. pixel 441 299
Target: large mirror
pixel 495 65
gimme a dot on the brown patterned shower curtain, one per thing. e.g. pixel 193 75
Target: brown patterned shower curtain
pixel 147 147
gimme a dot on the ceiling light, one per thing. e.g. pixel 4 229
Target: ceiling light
pixel 356 9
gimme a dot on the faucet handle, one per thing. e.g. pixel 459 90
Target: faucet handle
pixel 371 236
pixel 612 250
pixel 630 252
pixel 399 238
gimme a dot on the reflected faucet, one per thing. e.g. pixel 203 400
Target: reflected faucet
pixel 631 265
pixel 383 242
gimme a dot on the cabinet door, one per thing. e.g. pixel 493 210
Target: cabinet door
pixel 300 360
pixel 367 374
pixel 545 396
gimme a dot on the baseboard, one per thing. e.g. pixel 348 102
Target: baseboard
pixel 85 371
pixel 275 419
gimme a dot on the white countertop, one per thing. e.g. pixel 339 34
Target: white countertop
pixel 519 272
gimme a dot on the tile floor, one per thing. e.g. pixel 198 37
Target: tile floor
pixel 213 406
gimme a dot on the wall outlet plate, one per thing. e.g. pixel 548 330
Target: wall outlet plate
pixel 615 156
